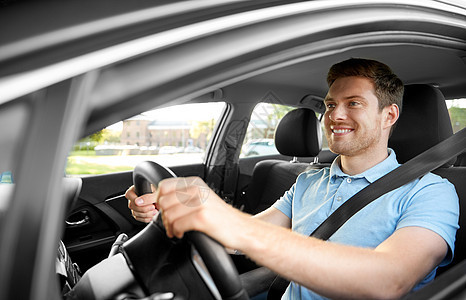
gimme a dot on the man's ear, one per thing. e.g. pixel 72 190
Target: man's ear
pixel 391 115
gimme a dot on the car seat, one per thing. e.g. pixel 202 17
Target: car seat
pixel 298 134
pixel 424 122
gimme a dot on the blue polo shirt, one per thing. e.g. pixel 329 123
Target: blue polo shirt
pixel 430 202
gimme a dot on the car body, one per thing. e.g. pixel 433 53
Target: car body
pixel 260 147
pixel 170 150
pixel 192 149
pixel 71 68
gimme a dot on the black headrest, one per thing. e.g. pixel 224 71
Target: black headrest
pixel 423 123
pixel 299 134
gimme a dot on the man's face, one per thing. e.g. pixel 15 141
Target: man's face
pixel 352 118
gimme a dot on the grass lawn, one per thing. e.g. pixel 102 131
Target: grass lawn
pixel 92 168
pixel 86 162
pixel 82 153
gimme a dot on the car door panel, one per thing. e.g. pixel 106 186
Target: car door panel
pixel 101 213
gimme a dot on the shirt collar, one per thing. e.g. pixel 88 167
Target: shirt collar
pixel 372 174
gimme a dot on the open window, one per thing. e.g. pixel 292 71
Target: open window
pixel 172 136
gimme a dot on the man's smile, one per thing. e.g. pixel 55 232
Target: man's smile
pixel 340 130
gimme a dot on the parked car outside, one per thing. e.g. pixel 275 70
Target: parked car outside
pixel 193 149
pixel 170 150
pixel 259 147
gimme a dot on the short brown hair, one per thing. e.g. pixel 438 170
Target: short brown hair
pixel 388 87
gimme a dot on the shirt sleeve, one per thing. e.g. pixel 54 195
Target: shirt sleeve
pixel 435 206
pixel 285 203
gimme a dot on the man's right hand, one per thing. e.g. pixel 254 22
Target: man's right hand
pixel 143 208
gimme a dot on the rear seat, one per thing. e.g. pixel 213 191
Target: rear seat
pixel 425 122
pixel 461 160
pixel 297 135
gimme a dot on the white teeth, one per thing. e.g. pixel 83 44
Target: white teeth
pixel 341 130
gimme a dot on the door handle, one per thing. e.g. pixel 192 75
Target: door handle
pixel 79 218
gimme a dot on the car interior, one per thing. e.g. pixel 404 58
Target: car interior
pixel 298 137
pixel 70 76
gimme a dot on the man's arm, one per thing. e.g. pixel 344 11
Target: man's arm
pixel 274 216
pixel 339 271
pixel 144 209
pixel 330 269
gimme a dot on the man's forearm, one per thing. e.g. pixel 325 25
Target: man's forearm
pixel 274 216
pixel 332 270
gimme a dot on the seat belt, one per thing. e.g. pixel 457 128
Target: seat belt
pixel 416 167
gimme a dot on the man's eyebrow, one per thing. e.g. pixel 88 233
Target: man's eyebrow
pixel 355 97
pixel 346 98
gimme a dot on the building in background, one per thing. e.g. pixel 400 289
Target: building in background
pixel 140 131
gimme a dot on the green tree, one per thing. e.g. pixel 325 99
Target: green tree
pixel 458 118
pixel 97 137
pixel 111 136
pixel 265 119
pixel 102 136
pixel 201 127
pixel 279 111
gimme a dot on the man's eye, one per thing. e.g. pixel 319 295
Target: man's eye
pixel 353 103
pixel 330 105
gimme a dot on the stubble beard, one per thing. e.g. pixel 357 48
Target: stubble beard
pixel 360 143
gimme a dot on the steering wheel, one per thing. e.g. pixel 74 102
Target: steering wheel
pixel 151 248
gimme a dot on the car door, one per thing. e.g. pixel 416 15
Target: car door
pixel 104 162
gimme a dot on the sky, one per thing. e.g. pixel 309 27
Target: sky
pixel 457 102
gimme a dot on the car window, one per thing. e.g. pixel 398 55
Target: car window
pixel 176 135
pixel 259 138
pixel 457 111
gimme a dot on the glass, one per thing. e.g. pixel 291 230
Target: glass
pixel 259 139
pixel 457 111
pixel 171 136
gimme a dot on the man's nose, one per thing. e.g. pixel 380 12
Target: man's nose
pixel 338 113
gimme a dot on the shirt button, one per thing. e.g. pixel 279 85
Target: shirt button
pixel 338 198
pixel 348 180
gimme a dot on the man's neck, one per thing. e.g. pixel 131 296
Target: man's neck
pixel 357 164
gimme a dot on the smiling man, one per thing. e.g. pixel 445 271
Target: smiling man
pixel 387 249
pixel 357 124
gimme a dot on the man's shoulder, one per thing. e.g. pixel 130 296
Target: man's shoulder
pixel 434 179
pixel 431 186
